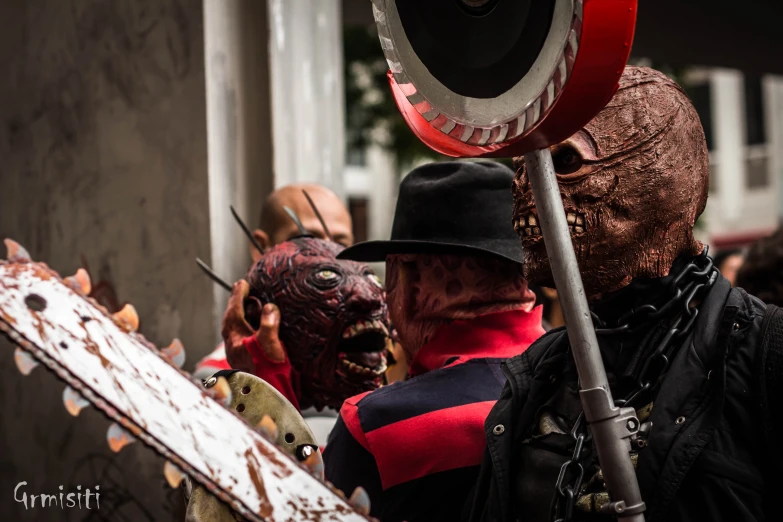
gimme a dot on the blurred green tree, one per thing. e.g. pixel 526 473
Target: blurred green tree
pixel 371 115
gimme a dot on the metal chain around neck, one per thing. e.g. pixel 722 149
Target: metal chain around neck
pixel 667 322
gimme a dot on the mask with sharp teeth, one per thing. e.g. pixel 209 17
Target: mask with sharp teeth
pixel 334 321
pixel 633 182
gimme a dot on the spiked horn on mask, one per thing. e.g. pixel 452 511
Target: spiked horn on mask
pixel 212 275
pixel 246 230
pixel 318 215
pixel 298 222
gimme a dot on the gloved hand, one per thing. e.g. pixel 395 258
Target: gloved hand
pixel 235 329
pixel 259 352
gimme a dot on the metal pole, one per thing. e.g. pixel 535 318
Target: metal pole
pixel 612 427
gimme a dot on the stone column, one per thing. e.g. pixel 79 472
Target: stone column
pixel 729 153
pixel 238 130
pixel 773 97
pixel 305 50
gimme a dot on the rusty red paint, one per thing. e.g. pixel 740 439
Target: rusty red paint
pixel 274 456
pixel 253 469
pixel 92 348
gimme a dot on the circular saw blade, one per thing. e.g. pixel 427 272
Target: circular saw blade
pixel 436 88
pixel 559 84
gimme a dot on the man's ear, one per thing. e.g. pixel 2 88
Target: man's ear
pixel 263 240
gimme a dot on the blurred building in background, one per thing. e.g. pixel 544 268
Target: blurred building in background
pixel 742 116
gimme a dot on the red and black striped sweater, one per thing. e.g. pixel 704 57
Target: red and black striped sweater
pixel 416 446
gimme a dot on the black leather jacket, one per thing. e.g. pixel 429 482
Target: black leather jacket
pixel 709 466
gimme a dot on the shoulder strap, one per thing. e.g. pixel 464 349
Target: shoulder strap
pixel 770 372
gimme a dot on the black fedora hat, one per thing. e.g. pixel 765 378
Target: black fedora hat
pixel 450 207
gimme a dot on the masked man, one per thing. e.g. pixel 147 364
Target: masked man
pixel 457 297
pixel 277 227
pixel 679 345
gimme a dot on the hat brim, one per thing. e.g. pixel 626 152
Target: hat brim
pixel 376 251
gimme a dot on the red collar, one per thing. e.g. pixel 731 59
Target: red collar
pixel 499 335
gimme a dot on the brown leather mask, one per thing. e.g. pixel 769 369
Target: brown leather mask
pixel 633 182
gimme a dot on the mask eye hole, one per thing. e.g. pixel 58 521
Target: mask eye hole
pixel 567 160
pixel 327 276
pixel 374 279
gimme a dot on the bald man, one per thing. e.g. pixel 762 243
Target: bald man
pixel 277 226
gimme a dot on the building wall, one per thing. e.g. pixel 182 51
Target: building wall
pixel 103 141
pixel 773 95
pixel 745 173
pixel 377 182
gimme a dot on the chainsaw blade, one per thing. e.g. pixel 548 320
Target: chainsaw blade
pixel 143 391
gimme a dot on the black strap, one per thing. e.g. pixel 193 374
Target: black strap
pixel 224 373
pixel 771 378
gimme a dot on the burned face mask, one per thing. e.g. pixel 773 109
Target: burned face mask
pixel 334 321
pixel 427 291
pixel 633 182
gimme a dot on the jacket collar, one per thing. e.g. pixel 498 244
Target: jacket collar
pixel 710 320
pixel 499 335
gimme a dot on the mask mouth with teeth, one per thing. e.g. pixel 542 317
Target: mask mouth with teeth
pixel 633 181
pixel 334 320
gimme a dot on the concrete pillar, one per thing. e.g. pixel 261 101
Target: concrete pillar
pixel 384 184
pixel 773 102
pixel 238 130
pixel 729 137
pixel 307 91
pixel 104 161
pixel 376 181
pixel 128 128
